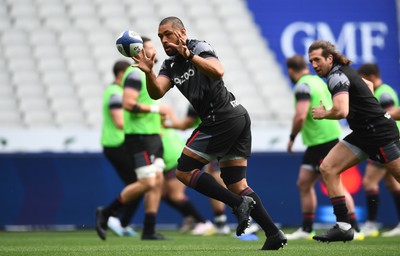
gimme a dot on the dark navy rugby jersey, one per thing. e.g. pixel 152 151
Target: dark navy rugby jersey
pixel 365 113
pixel 208 96
pixel 191 112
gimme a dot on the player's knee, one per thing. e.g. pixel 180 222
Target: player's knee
pixel 159 179
pixel 147 171
pixel 367 183
pixel 326 169
pixel 159 164
pixel 188 164
pixel 393 187
pixel 303 185
pixel 177 197
pixel 148 183
pixel 186 167
pixel 233 174
pixel 212 168
pixel 184 177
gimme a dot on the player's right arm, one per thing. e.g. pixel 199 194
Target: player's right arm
pixel 115 107
pixel 156 86
pixel 298 121
pixel 303 96
pixel 338 85
pixel 339 110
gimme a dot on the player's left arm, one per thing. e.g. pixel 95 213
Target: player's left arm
pixel 209 65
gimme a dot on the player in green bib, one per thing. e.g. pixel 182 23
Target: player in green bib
pixel 143 142
pixel 318 135
pixel 174 190
pixel 376 171
pixel 112 139
pixel 112 134
pixel 173 145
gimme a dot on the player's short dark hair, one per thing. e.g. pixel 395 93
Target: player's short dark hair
pixel 176 22
pixel 369 69
pixel 296 62
pixel 120 66
pixel 329 49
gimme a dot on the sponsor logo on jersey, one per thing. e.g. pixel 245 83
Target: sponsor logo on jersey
pixel 234 103
pixel 183 78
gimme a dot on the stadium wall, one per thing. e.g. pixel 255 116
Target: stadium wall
pixel 51 189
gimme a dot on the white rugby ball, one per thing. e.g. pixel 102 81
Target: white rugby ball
pixel 129 43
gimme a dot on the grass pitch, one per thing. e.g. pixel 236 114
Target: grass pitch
pixel 87 243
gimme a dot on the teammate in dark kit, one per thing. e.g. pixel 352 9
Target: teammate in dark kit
pixel 320 136
pixel 224 133
pixel 375 171
pixel 374 133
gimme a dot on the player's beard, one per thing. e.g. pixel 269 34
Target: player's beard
pixel 173 52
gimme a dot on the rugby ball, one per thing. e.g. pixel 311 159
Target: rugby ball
pixel 129 43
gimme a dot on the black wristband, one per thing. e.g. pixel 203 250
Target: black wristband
pixel 135 108
pixel 191 55
pixel 292 137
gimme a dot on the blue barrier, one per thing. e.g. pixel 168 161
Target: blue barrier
pixel 64 189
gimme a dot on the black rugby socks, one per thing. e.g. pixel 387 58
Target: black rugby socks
pixel 340 209
pixel 372 204
pixel 260 214
pixel 208 186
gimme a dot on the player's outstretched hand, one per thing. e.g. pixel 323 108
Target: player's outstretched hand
pixel 143 62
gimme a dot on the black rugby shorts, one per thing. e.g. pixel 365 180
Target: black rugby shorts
pixel 315 154
pixel 144 148
pixel 225 137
